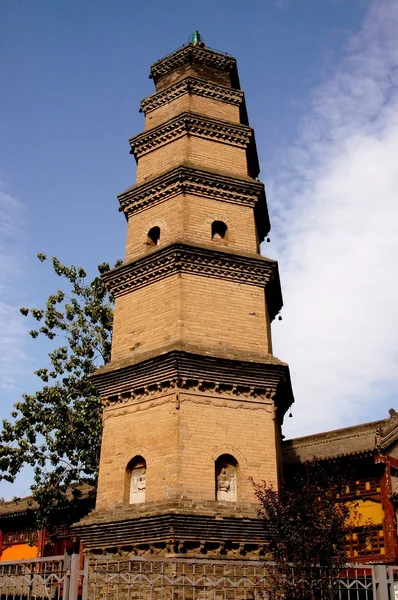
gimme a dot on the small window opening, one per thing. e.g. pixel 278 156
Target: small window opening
pixel 136 471
pixel 225 473
pixel 218 230
pixel 153 237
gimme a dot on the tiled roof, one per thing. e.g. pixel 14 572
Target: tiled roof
pixel 17 506
pixel 372 437
pixel 24 505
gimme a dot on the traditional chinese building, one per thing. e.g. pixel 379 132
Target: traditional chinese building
pixel 370 453
pixel 20 537
pixel 371 450
pixel 194 398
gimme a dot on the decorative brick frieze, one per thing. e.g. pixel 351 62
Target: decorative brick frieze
pixel 192 85
pixel 195 125
pixel 197 260
pixel 196 391
pixel 252 384
pixel 150 397
pixel 188 180
pixel 204 184
pixel 176 532
pixel 190 55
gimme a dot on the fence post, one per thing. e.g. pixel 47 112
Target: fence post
pixel 85 573
pixel 66 567
pixel 74 577
pixel 381 582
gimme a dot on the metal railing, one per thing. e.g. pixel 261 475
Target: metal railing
pixel 392 581
pixel 141 578
pixel 182 579
pixel 55 578
pixel 204 579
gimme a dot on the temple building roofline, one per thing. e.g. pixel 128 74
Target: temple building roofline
pixel 375 437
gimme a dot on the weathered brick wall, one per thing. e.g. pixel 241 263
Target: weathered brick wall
pixel 210 154
pixel 197 152
pixel 189 218
pixel 181 442
pixel 195 70
pixel 162 159
pixel 168 216
pixel 149 430
pixel 222 315
pixel 147 319
pixel 211 313
pixel 208 429
pixel 193 103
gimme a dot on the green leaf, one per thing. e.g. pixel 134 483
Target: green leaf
pixel 49 427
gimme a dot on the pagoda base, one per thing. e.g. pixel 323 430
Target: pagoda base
pixel 181 528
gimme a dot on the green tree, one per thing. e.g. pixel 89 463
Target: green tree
pixel 57 430
pixel 309 521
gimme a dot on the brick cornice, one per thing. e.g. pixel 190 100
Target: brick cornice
pixel 203 261
pixel 206 184
pixel 170 530
pixel 185 179
pixel 192 54
pixel 253 384
pixel 143 399
pixel 192 85
pixel 192 124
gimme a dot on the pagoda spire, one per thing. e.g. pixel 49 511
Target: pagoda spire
pixel 196 39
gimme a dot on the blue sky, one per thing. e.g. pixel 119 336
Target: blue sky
pixel 321 81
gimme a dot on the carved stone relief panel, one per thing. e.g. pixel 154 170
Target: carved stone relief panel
pixel 226 483
pixel 137 483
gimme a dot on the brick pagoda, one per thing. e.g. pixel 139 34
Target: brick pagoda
pixel 193 397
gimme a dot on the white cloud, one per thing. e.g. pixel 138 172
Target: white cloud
pixel 336 230
pixel 12 258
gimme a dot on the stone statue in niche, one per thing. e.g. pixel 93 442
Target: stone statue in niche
pixel 226 484
pixel 137 485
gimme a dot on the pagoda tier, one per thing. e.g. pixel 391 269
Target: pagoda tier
pixel 203 184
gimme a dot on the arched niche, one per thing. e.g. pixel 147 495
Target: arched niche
pixel 226 478
pixel 136 480
pixel 153 237
pixel 219 230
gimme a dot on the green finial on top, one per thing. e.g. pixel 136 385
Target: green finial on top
pixel 196 39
